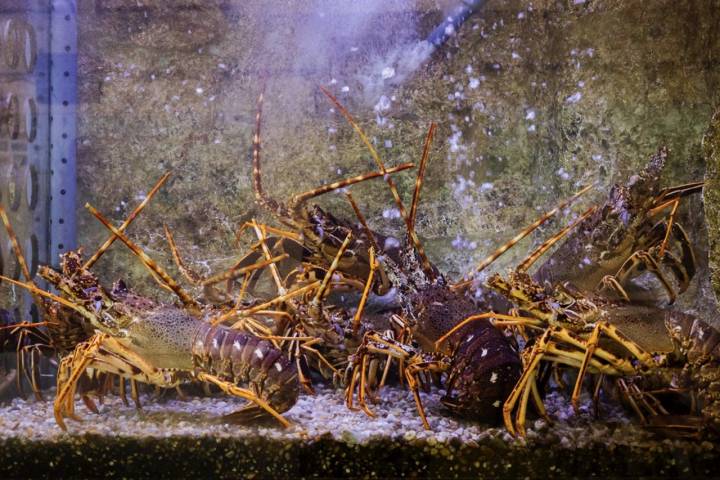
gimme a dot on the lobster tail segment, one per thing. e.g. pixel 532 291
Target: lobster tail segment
pixel 240 358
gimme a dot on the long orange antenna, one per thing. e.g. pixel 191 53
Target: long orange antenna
pixel 391 184
pixel 524 233
pixel 15 245
pixel 189 274
pixel 331 271
pixel 235 272
pixel 38 291
pixel 532 258
pixel 363 221
pixel 301 198
pixel 421 173
pixel 261 197
pixel 91 261
pixel 19 255
pixel 149 263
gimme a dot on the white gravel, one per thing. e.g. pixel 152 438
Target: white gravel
pixel 316 416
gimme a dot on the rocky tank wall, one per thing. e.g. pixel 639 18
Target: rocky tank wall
pixel 533 99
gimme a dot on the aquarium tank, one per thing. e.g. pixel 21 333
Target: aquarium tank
pixel 367 239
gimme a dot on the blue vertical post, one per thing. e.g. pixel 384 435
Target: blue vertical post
pixel 63 105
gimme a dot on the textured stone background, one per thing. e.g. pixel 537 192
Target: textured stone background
pixel 711 148
pixel 533 99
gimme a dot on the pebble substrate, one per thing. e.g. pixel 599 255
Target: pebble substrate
pixel 172 436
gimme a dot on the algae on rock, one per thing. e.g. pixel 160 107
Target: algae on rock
pixel 711 146
pixel 532 101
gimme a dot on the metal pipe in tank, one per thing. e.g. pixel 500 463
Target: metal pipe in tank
pixel 62 104
pixel 452 23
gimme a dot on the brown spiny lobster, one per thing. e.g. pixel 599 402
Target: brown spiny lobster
pixel 163 345
pixel 573 312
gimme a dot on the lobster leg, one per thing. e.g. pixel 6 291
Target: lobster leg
pixel 20 366
pixel 589 350
pixel 609 281
pixel 260 232
pixel 668 229
pixel 658 251
pixel 538 400
pixel 316 302
pixel 688 254
pixel 411 375
pixel 233 389
pixel 596 395
pixel 122 391
pixel 616 363
pixel 533 362
pixel 302 378
pixel 646 259
pixel 106 354
pixel 366 291
pixel 579 353
pixel 363 387
pixel 679 270
pixel 374 343
pixel 308 345
pixel 30 373
pixel 622 385
pixel 504 320
pixel 522 409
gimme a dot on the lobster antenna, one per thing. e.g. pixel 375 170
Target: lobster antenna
pixel 261 197
pixel 537 253
pixel 38 291
pixel 260 232
pixel 91 261
pixel 391 184
pixel 421 173
pixel 524 233
pixel 301 198
pixel 679 191
pixel 15 244
pixel 19 255
pixel 236 271
pixel 363 221
pixel 149 263
pixel 189 274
